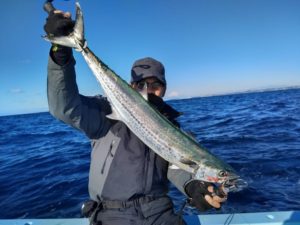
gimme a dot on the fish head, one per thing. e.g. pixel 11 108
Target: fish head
pixel 215 175
pixel 221 175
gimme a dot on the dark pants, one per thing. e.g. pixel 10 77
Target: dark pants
pixel 155 212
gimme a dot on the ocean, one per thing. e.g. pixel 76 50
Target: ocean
pixel 44 163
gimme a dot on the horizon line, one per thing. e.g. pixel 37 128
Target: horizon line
pixel 250 91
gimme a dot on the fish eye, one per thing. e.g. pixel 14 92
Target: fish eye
pixel 222 173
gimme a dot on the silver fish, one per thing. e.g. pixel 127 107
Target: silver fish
pixel 147 123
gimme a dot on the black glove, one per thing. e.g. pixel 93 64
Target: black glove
pixel 59 25
pixel 196 190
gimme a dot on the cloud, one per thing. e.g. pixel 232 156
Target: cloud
pixel 16 91
pixel 173 94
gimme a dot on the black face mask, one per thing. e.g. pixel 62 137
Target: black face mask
pixel 156 101
pixel 170 113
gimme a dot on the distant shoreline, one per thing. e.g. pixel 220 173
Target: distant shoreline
pixel 239 92
pixel 205 96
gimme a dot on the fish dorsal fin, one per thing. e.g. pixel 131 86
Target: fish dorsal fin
pixel 114 114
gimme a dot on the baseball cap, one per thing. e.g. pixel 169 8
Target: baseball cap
pixel 147 67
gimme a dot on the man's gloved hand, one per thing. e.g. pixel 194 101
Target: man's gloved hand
pixel 203 195
pixel 58 24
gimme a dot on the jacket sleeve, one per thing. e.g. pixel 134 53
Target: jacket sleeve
pixel 179 178
pixel 66 104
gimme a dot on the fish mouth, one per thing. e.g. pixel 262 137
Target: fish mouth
pixel 234 184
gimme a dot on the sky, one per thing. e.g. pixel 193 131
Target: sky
pixel 208 47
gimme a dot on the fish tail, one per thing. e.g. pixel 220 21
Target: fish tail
pixel 75 39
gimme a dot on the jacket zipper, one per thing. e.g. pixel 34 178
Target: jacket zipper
pixel 109 153
pixel 147 156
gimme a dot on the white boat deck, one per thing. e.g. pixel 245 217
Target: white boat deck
pixel 266 218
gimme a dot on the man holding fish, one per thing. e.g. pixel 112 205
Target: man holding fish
pixel 128 181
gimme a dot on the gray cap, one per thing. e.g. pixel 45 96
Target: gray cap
pixel 147 67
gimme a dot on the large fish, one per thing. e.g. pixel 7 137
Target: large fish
pixel 148 124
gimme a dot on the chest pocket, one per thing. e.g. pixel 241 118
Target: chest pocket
pixel 103 153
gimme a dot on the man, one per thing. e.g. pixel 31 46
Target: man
pixel 128 182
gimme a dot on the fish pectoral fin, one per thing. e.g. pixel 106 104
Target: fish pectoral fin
pixel 188 162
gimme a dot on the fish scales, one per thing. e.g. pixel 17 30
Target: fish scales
pixel 147 127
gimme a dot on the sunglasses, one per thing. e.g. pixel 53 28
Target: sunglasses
pixel 153 85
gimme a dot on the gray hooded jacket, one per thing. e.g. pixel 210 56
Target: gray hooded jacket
pixel 122 166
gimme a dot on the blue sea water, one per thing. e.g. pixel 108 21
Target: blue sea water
pixel 44 163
